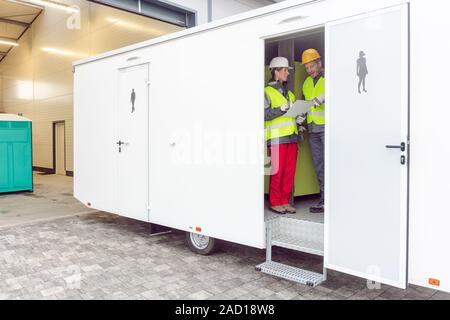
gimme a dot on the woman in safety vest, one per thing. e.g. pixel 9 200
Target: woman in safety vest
pixel 281 136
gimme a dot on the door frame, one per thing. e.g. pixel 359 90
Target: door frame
pixel 264 39
pixel 405 90
pixel 134 61
pixel 54 145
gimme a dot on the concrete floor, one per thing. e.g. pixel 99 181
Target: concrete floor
pixel 50 248
pixel 52 198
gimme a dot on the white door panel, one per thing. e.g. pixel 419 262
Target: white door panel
pixel 132 142
pixel 366 184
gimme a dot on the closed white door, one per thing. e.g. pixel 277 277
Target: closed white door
pixel 132 142
pixel 367 60
pixel 60 149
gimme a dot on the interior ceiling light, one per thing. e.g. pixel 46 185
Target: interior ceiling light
pixel 133 26
pixel 9 42
pixel 62 52
pixel 26 4
pixel 48 3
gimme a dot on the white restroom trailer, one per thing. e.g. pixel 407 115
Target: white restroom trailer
pixel 170 131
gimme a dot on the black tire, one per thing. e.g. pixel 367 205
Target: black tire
pixel 199 244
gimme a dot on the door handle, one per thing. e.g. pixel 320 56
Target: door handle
pixel 293 19
pixel 402 147
pixel 120 144
pixel 133 58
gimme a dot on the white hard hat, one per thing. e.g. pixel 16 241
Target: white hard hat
pixel 279 62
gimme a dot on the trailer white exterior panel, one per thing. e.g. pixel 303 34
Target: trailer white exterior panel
pixel 206 141
pixel 429 236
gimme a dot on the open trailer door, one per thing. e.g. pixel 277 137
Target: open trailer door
pixel 367 74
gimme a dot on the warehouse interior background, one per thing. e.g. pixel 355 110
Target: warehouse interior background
pixel 39 40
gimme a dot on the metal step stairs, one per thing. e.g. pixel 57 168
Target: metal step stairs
pixel 298 235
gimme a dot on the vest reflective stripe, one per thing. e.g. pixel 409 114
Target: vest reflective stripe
pixel 281 126
pixel 311 91
pixel 318 114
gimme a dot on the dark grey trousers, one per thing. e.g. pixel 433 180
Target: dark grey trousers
pixel 317 143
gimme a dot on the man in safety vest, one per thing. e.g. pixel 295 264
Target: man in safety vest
pixel 281 136
pixel 314 90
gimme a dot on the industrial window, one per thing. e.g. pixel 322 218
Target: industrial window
pixel 154 9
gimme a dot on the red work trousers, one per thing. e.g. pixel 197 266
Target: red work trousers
pixel 284 162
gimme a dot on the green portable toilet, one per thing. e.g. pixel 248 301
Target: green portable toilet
pixel 16 172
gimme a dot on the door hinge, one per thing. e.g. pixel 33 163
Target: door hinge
pixel 147 206
pixel 147 82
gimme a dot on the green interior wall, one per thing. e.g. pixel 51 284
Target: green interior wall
pixel 16 173
pixel 305 178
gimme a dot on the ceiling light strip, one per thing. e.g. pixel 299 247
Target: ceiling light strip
pixel 9 42
pixel 48 3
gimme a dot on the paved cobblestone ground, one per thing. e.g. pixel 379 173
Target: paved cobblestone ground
pixel 103 256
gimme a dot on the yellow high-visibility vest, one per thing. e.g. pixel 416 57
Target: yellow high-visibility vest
pixel 311 91
pixel 282 126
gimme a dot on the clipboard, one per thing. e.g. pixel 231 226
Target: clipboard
pixel 299 107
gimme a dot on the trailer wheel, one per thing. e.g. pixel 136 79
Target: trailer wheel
pixel 200 244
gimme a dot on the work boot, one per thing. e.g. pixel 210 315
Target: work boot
pixel 278 209
pixel 318 208
pixel 289 208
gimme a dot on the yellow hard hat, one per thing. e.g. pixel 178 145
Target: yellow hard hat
pixel 310 55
